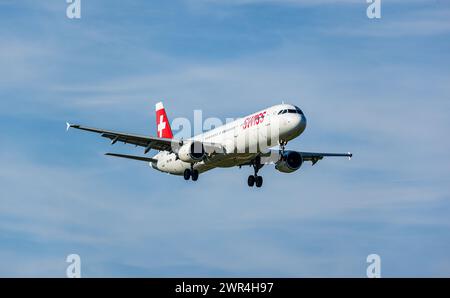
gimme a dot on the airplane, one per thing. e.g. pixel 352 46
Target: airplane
pixel 246 141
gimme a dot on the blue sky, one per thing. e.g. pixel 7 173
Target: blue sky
pixel 378 88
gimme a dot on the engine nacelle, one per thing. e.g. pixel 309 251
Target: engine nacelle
pixel 192 152
pixel 289 162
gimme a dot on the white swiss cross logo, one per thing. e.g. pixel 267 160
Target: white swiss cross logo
pixel 161 126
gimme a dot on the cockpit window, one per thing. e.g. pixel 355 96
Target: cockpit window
pixel 291 111
pixel 299 110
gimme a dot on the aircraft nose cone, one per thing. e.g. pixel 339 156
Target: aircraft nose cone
pixel 297 124
pixel 301 125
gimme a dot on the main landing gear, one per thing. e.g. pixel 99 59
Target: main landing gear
pixel 255 179
pixel 252 180
pixel 191 173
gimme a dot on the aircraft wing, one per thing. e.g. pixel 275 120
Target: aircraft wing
pixel 140 158
pixel 272 156
pixel 315 157
pixel 161 144
pixel 148 143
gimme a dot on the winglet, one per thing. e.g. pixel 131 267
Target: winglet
pixel 350 155
pixel 68 126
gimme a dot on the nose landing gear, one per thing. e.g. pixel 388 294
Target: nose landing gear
pixel 283 144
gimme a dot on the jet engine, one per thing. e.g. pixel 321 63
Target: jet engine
pixel 290 161
pixel 192 152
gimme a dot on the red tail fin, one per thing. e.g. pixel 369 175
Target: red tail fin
pixel 162 122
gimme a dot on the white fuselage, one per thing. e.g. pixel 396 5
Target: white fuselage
pixel 242 139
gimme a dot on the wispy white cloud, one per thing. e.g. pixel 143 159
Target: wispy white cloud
pixel 78 208
pixel 22 61
pixel 59 194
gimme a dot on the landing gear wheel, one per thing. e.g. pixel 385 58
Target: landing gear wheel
pixel 259 181
pixel 187 174
pixel 251 180
pixel 195 175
